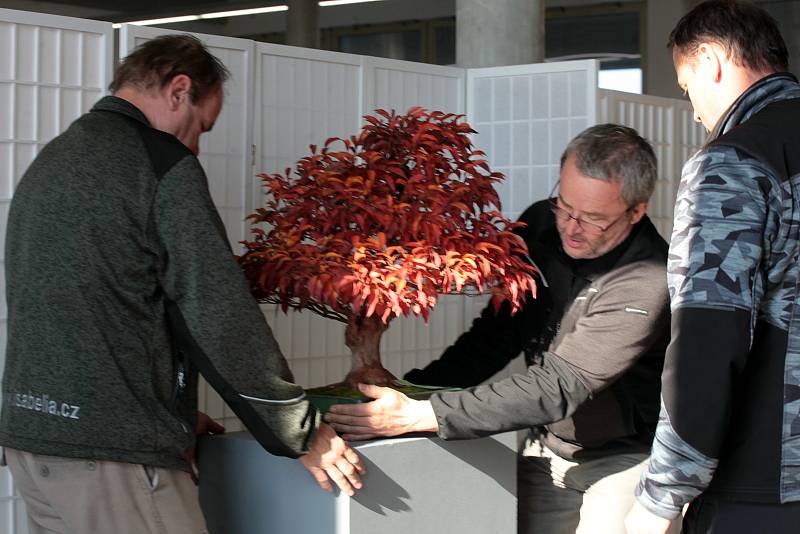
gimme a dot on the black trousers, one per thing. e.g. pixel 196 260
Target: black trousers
pixel 714 516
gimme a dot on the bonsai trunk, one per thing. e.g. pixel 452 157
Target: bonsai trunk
pixel 363 336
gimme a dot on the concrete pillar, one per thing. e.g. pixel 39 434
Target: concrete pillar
pixel 491 33
pixel 658 71
pixel 302 23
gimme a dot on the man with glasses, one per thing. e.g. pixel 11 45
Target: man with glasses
pixel 593 339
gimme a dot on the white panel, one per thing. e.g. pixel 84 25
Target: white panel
pixel 539 142
pixel 36 64
pixel 71 58
pixel 540 96
pixel 47 111
pixel 655 118
pixel 577 93
pixel 25 106
pixel 398 85
pixel 502 100
pixel 304 97
pixel 4 206
pixel 525 115
pixel 48 54
pixel 70 107
pixel 8 37
pixel 521 148
pixel 315 346
pixel 521 97
pixel 24 153
pixel 89 98
pixel 520 181
pixel 482 112
pixel 26 49
pixel 92 61
pixel 7 111
pixel 6 170
pixel 501 156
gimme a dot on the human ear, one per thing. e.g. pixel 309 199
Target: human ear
pixel 711 57
pixel 638 211
pixel 177 90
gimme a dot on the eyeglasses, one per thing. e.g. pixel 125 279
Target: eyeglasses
pixel 563 216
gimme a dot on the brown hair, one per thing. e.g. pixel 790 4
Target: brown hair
pixel 157 61
pixel 749 35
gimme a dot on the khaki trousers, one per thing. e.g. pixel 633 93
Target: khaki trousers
pixel 558 496
pixel 73 496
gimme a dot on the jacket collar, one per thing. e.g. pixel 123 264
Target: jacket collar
pixel 643 240
pixel 119 105
pixel 772 88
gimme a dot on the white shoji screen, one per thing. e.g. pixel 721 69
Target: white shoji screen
pixel 392 84
pixel 305 97
pixel 525 115
pixel 670 127
pixel 53 69
pixel 398 85
pixel 310 95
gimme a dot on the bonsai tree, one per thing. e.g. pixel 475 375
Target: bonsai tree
pixel 380 226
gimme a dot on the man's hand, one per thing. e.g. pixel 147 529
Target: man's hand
pixel 641 521
pixel 330 456
pixel 206 425
pixel 391 414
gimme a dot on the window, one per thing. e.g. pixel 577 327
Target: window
pixel 430 41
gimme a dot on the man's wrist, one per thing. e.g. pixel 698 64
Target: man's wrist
pixel 426 420
pixel 656 508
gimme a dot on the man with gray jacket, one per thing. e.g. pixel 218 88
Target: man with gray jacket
pixel 593 339
pixel 121 287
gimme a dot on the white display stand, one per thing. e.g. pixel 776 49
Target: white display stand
pixel 413 485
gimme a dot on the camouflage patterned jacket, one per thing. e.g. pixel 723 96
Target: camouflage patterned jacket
pixel 729 424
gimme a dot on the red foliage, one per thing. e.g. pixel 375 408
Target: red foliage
pixel 399 214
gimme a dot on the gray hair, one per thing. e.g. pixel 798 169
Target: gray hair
pixel 613 152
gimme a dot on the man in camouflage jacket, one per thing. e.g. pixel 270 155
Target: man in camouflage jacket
pixel 728 439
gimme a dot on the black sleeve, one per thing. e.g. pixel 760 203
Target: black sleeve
pixel 218 322
pixel 493 340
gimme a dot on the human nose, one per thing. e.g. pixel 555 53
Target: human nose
pixel 572 223
pixel 697 117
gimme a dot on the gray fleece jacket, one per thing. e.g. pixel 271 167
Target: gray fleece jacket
pixel 121 286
